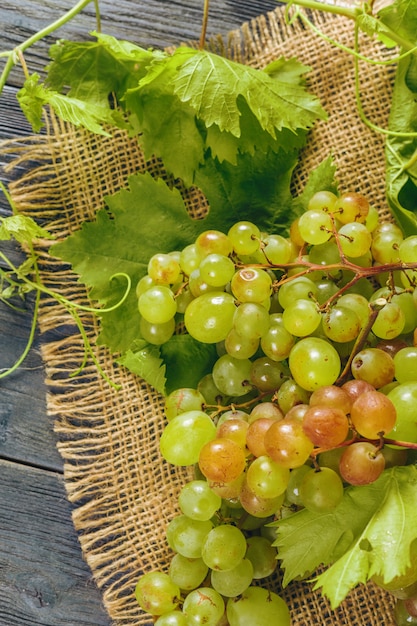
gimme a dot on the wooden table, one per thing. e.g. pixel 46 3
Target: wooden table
pixel 43 578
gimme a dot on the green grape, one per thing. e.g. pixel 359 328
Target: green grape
pixel 290 394
pixel 183 297
pixel 245 237
pixel 313 363
pixel 390 321
pixel 405 363
pixel 256 505
pixel 209 317
pixel 213 242
pixel 277 342
pixel 266 478
pixel 251 320
pixel 258 607
pixel 231 375
pixel 233 582
pixel 157 304
pixel 321 491
pixel 324 254
pixel 277 249
pixel 287 443
pixel 357 303
pixel 361 463
pixel 355 239
pixel 216 270
pixel 222 460
pixel 263 556
pixel 172 618
pixel 184 436
pixel 198 286
pixel 403 586
pixel 293 488
pixel 301 287
pixel 183 400
pixel 164 269
pixel 351 207
pixel 156 593
pixel 323 200
pixel 211 394
pixel 251 285
pixel 197 501
pixel 143 285
pixel 301 318
pixel 326 289
pixel 203 607
pixel 266 374
pixel 374 365
pixel 341 324
pixel 372 219
pixel 190 259
pixel 186 536
pixel 315 227
pixel 373 413
pixel 386 240
pixel 404 399
pixel 406 303
pixel 240 346
pixel 408 249
pixel 187 573
pixel 157 334
pixel 224 547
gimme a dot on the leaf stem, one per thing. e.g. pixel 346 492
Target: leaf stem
pixel 204 25
pixel 13 55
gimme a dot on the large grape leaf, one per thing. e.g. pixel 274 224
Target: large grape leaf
pixel 369 533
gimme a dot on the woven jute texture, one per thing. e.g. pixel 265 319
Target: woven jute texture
pixel 123 493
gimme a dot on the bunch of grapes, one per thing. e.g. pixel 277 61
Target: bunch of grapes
pixel 314 388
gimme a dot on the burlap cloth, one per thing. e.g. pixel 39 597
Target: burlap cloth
pixel 123 493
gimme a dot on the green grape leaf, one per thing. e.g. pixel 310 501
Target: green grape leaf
pixel 369 533
pixel 22 228
pixel 33 96
pixel 144 219
pixel 323 177
pixel 213 86
pixel 401 17
pixel 147 364
pixel 187 361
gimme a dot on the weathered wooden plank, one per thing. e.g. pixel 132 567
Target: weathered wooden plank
pixel 40 581
pixel 146 22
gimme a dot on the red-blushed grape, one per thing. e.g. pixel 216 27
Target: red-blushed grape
pixel 222 460
pixel 213 242
pixel 297 412
pixel 351 207
pixel 227 490
pixel 361 463
pixel 373 365
pixel 255 437
pixel 234 429
pixel 164 269
pixel 331 395
pixel 325 426
pixel 354 388
pixel 321 490
pixel 373 413
pixel 287 444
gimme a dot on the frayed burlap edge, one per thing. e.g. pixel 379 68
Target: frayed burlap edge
pixel 123 493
